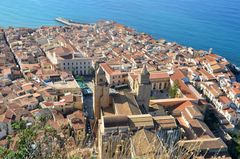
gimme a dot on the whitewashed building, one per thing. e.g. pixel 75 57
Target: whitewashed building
pixel 71 61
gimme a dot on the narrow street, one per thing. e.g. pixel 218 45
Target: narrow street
pixel 88 111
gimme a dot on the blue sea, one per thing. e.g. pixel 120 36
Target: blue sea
pixel 201 24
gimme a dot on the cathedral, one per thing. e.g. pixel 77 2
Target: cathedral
pixel 120 115
pixel 103 99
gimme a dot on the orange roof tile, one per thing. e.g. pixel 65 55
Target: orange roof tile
pixel 159 75
pixel 184 105
pixel 236 91
pixel 109 70
pixel 224 99
pixel 206 74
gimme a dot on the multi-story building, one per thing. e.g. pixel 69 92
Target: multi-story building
pixel 114 77
pixel 69 60
pixel 159 80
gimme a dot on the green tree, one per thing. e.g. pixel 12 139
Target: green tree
pixel 10 154
pixel 173 90
pixel 18 125
pixel 26 138
pixel 2 151
pixel 50 130
pixel 81 78
pixel 235 146
pixel 92 71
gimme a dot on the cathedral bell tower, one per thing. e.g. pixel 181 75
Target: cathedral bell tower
pixel 100 93
pixel 144 89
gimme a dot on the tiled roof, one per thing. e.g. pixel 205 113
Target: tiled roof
pixel 144 120
pixel 125 104
pixel 224 99
pixel 115 121
pixel 204 144
pixel 109 70
pixel 159 75
pixel 236 91
pixel 165 122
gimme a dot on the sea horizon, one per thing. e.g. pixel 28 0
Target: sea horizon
pixel 200 25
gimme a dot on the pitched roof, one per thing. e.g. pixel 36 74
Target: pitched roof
pixel 109 70
pixel 144 143
pixel 165 122
pixel 144 120
pixel 236 91
pixel 159 75
pixel 115 121
pixel 224 99
pixel 125 104
pixel 186 91
pixel 203 144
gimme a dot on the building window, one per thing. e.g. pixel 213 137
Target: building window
pixel 165 85
pixel 64 64
pixel 68 63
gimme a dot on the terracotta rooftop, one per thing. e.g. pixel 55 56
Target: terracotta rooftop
pixel 143 120
pixel 159 75
pixel 115 121
pixel 236 91
pixel 165 122
pixel 109 70
pixel 186 91
pixel 204 144
pixel 194 112
pixel 125 104
pixel 170 102
pixel 206 74
pixel 76 120
pixel 184 105
pixel 224 99
pixel 60 51
pixel 178 75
